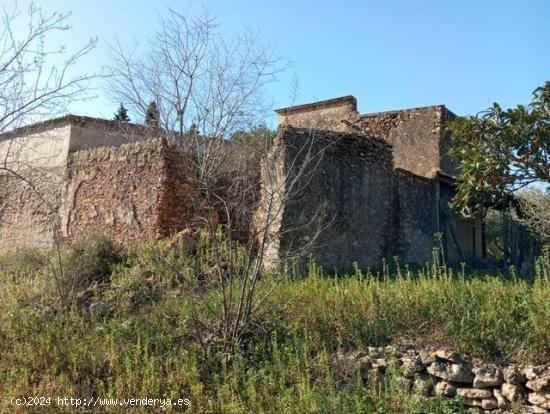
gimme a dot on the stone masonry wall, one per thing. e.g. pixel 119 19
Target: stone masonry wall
pixel 416 219
pixel 414 134
pixel 143 190
pixel 345 190
pixel 29 207
pixel 115 191
pixel 322 115
pixel 441 372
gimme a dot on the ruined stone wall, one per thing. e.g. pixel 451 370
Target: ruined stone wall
pixel 114 191
pixel 87 133
pixel 448 165
pixel 148 189
pixel 416 217
pixel 322 115
pixel 415 136
pixel 28 207
pixel 344 192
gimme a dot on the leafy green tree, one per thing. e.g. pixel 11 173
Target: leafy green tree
pixel 152 115
pixel 501 151
pixel 121 114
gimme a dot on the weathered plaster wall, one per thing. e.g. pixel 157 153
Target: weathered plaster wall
pixel 45 148
pixel 88 133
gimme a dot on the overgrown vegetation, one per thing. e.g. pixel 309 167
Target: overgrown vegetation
pixel 129 329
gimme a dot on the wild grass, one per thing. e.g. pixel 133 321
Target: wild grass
pixel 142 343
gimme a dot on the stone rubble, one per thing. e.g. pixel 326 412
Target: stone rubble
pixel 444 373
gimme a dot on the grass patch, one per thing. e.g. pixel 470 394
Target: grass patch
pixel 145 345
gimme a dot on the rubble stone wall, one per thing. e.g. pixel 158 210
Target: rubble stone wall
pixel 444 373
pixel 29 206
pixel 416 217
pixel 142 190
pixel 338 183
pixel 321 115
pixel 415 136
pixel 114 191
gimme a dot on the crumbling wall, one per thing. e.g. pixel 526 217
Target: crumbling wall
pixel 448 165
pixel 415 136
pixel 115 191
pixel 335 198
pixel 40 148
pixel 29 206
pixel 415 208
pixel 87 133
pixel 332 114
pixel 149 189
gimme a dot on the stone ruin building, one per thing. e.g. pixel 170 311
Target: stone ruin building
pixel 383 179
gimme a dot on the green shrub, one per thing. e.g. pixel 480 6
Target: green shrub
pixel 91 261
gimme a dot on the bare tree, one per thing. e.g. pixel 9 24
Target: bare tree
pixel 31 86
pixel 198 79
pixel 34 86
pixel 241 203
pixel 206 88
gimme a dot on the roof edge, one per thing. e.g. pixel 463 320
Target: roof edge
pixel 318 104
pixel 71 119
pixel 395 111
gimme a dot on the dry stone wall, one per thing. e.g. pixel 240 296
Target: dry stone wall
pixel 444 373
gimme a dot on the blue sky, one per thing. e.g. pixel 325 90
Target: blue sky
pixel 390 54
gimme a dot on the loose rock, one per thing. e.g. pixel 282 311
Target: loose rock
pixel 540 400
pixel 427 357
pixel 451 372
pixel 450 356
pixel 487 376
pixel 412 367
pixel 489 404
pixel 511 392
pixel 474 393
pixel 540 384
pixel 532 372
pixel 472 402
pixel 424 385
pixel 513 375
pixel 445 389
pixel 501 401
